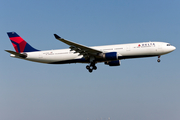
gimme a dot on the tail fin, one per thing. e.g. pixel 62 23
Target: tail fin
pixel 20 45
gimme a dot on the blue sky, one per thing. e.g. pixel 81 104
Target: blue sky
pixel 139 89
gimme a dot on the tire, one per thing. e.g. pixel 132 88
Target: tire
pixel 94 67
pixel 88 67
pixel 90 70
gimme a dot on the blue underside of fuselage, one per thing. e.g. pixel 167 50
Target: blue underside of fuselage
pixel 83 60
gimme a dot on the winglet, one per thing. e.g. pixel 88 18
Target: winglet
pixel 56 36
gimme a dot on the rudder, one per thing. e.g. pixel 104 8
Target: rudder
pixel 19 44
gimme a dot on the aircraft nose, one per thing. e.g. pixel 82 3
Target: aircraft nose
pixel 173 48
pixel 169 49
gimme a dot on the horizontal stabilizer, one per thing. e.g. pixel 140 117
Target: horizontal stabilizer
pixel 22 55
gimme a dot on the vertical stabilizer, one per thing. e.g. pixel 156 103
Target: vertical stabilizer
pixel 19 44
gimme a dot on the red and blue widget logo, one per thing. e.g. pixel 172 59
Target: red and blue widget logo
pixel 19 44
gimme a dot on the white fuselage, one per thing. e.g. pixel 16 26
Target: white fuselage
pixel 124 51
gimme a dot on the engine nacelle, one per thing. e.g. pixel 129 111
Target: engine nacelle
pixel 113 63
pixel 110 56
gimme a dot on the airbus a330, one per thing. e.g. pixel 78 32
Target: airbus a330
pixel 76 53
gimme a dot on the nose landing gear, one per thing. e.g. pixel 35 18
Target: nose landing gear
pixel 159 59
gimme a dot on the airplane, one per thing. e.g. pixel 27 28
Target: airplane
pixel 109 54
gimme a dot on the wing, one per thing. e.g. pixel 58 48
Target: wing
pixel 81 49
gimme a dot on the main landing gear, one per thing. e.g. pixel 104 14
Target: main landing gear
pixel 159 59
pixel 91 67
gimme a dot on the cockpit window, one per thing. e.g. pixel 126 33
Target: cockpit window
pixel 168 44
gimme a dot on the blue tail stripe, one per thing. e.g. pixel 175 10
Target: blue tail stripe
pixel 29 48
pixel 12 34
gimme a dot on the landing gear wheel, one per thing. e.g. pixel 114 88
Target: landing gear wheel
pixel 88 67
pixel 90 70
pixel 159 59
pixel 94 67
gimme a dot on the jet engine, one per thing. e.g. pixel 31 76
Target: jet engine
pixel 113 63
pixel 109 56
